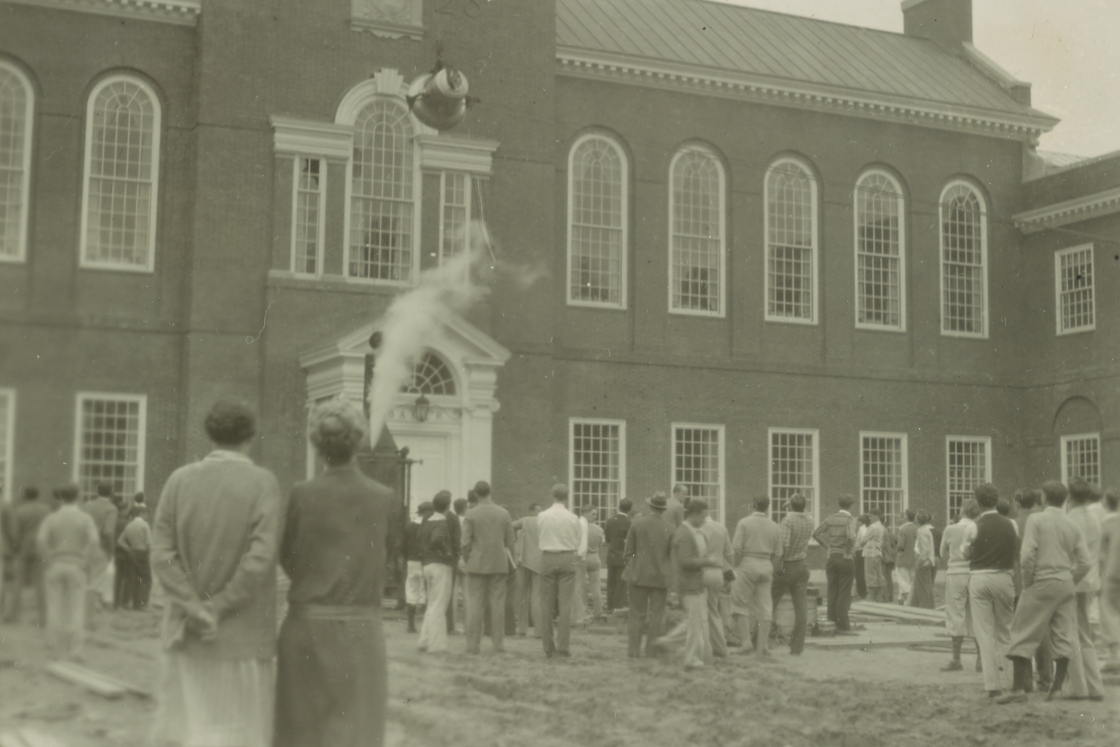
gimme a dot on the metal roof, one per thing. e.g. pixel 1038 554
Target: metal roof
pixel 723 37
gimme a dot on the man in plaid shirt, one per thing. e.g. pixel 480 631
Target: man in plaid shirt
pixel 792 573
pixel 838 534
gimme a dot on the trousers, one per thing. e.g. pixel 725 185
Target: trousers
pixel 958 617
pixel 433 631
pixel 558 583
pixel 1044 606
pixel 528 601
pixel 65 586
pixel 991 597
pixel 839 572
pixel 693 631
pixel 1084 670
pixel 617 597
pixel 25 570
pixel 647 610
pixel 485 590
pixel 794 578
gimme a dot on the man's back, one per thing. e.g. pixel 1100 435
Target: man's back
pixel 1090 528
pixel 618 526
pixel 648 547
pixel 907 536
pixel 67 534
pixel 838 534
pixel 25 521
pixel 952 546
pixel 1053 548
pixel 674 512
pixel 531 543
pixel 718 542
pixel 104 515
pixel 594 539
pixel 756 535
pixel 487 531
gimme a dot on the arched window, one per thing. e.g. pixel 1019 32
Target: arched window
pixel 696 233
pixel 383 194
pixel 880 252
pixel 964 262
pixel 17 102
pixel 431 375
pixel 597 223
pixel 791 243
pixel 121 176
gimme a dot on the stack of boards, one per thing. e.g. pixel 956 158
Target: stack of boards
pixel 898 613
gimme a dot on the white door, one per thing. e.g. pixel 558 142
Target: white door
pixel 433 469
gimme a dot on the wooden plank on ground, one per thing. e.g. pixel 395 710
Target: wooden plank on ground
pixel 898 608
pixel 82 677
pixel 106 679
pixel 38 739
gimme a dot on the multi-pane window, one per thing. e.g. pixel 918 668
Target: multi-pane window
pixel 698 463
pixel 1073 276
pixel 382 194
pixel 791 243
pixel 1081 457
pixel 964 261
pixel 696 233
pixel 969 464
pixel 883 474
pixel 455 213
pixel 7 442
pixel 17 100
pixel 794 468
pixel 110 442
pixel 598 464
pixel 597 223
pixel 121 176
pixel 307 223
pixel 880 253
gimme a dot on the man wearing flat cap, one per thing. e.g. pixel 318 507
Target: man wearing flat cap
pixel 647 571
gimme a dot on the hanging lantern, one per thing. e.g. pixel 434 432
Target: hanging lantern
pixel 439 99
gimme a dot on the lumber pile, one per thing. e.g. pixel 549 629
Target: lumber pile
pixel 95 682
pixel 28 738
pixel 899 613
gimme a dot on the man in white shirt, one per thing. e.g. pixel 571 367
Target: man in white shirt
pixel 1084 671
pixel 870 541
pixel 958 614
pixel 563 542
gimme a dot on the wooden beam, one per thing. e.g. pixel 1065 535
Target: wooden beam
pixel 84 678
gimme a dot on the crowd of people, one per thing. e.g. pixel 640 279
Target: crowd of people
pixel 1021 584
pixel 79 557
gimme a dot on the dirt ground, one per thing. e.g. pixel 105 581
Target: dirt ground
pixel 598 698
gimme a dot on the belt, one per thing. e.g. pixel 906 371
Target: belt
pixel 559 552
pixel 337 611
pixel 757 555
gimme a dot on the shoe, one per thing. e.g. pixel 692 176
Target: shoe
pixel 1014 697
pixel 953 666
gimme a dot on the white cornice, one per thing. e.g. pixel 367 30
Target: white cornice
pixel 1070 211
pixel 179 12
pixel 450 153
pixel 301 137
pixel 581 63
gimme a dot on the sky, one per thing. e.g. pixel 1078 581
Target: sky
pixel 1066 48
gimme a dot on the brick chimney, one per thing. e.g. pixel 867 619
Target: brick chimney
pixel 947 22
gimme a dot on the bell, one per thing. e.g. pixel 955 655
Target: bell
pixel 439 99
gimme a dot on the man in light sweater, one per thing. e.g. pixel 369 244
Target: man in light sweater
pixel 957 612
pixel 871 543
pixel 1084 671
pixel 562 543
pixel 67 540
pixel 1054 559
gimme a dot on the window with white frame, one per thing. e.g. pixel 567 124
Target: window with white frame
pixel 969 463
pixel 698 463
pixel 454 214
pixel 119 194
pixel 964 262
pixel 597 464
pixel 109 442
pixel 794 468
pixel 383 201
pixel 1081 457
pixel 880 253
pixel 791 243
pixel 1073 286
pixel 696 233
pixel 597 223
pixel 17 105
pixel 883 483
pixel 7 442
pixel 310 191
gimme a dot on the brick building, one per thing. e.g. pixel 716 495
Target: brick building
pixel 782 254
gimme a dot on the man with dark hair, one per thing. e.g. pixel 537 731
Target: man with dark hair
pixel 457 608
pixel 690 553
pixel 793 573
pixel 647 556
pixel 1084 671
pixel 66 540
pixel 615 531
pixel 990 547
pixel 757 547
pixel 529 558
pixel 562 542
pixel 487 547
pixel 122 570
pixel 415 596
pixel 104 514
pixel 925 564
pixel 136 543
pixel 837 534
pixel 1054 559
pixel 871 543
pixel 906 559
pixel 439 553
pixel 27 564
pixel 958 618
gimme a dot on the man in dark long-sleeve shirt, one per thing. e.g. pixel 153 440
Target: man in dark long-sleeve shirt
pixel 838 534
pixel 439 553
pixel 414 592
pixel 616 529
